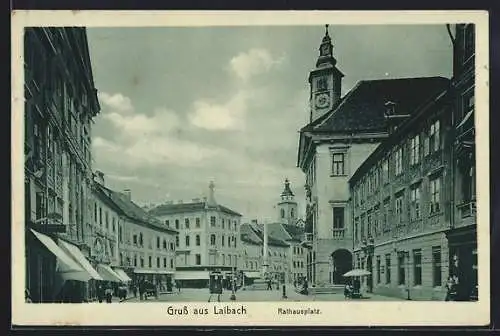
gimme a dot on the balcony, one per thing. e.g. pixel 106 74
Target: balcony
pixel 466 214
pixel 338 233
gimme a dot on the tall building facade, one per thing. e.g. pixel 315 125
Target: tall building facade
pixel 141 246
pixel 209 237
pixel 60 104
pixel 341 134
pixel 401 203
pixel 463 237
pixel 414 217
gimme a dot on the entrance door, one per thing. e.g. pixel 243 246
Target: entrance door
pixel 369 268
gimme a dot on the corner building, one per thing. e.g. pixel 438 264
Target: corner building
pixel 208 239
pixel 341 134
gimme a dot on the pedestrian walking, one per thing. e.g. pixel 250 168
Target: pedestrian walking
pixel 109 294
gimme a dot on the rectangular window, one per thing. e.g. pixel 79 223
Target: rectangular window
pixel 369 225
pixel 158 243
pixel 417 267
pixel 415 202
pixel 378 269
pixel 177 224
pixel 387 268
pixel 398 161
pixel 164 262
pixel 385 219
pixel 362 228
pixel 434 137
pixel 197 240
pixel 376 221
pixel 415 150
pixel 338 218
pixel 222 222
pixel 142 262
pixel 187 241
pixel 150 262
pixel 356 228
pixel 385 171
pixel 212 221
pixel 399 208
pixel 197 223
pixel 436 266
pixel 186 223
pixel 198 259
pixel 401 269
pixel 167 222
pixel 223 240
pixel 157 262
pixel 338 166
pixel 177 241
pixel 134 239
pixel 435 195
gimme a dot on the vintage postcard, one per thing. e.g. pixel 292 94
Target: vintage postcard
pixel 250 168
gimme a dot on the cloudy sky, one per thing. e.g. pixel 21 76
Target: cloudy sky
pixel 183 106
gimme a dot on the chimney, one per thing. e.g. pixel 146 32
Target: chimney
pixel 393 118
pixel 99 177
pixel 128 194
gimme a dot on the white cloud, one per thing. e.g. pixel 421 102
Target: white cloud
pixel 253 62
pixel 143 140
pixel 116 101
pixel 226 116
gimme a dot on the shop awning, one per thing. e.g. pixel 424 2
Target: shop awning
pixel 65 263
pixel 78 256
pixel 108 274
pixel 252 275
pixel 192 275
pixel 121 273
pixel 151 271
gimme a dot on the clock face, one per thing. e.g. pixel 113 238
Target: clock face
pixel 322 100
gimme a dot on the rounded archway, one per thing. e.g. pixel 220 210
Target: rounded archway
pixel 342 263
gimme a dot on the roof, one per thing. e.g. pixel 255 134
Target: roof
pixel 297 233
pixel 395 137
pixel 362 109
pixel 271 239
pixel 178 208
pixel 129 209
pixel 248 235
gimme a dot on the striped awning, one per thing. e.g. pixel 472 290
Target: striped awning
pixel 121 273
pixel 108 274
pixel 66 264
pixel 78 256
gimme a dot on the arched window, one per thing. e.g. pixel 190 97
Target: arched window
pixel 282 213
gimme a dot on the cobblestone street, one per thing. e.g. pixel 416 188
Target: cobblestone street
pixel 202 295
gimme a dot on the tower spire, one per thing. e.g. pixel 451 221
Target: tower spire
pixel 326 50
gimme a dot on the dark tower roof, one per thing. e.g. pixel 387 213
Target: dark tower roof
pixel 287 191
pixel 326 51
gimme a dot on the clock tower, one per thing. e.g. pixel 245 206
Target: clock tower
pixel 324 81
